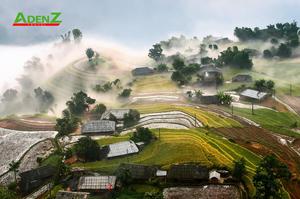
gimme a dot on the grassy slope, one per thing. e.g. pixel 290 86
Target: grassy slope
pixel 279 122
pixel 207 118
pixel 154 83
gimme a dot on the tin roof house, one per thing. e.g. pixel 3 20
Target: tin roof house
pixel 117 113
pixel 99 127
pixel 32 179
pixel 96 183
pixel 141 71
pixel 187 172
pixel 250 94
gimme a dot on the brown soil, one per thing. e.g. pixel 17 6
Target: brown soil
pixel 272 103
pixel 27 125
pixel 292 101
pixel 262 142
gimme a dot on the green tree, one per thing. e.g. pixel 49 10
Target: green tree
pixel 239 169
pixel 14 167
pixel 67 124
pixel 9 95
pixel 89 53
pixel 7 194
pixel 125 93
pixel 153 195
pixel 124 175
pixel 267 54
pixel 98 110
pixel 162 68
pixel 87 149
pixel 45 99
pixel 178 64
pixel 224 99
pixel 142 135
pixel 199 93
pixel 267 178
pixel 79 103
pixel 156 52
pixel 284 51
pixel 131 118
pixel 77 34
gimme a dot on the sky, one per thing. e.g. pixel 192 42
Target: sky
pixel 140 23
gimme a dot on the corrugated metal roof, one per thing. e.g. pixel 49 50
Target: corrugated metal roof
pixel 96 182
pixel 99 126
pixel 122 148
pixel 161 173
pixel 253 94
pixel 118 113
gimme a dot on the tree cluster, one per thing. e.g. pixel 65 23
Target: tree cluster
pixel 88 149
pixel 236 58
pixel 224 99
pixel 267 178
pixel 125 93
pixel 263 85
pixel 155 53
pixel 67 124
pixel 44 98
pixel 79 103
pixel 183 73
pixel 98 110
pixel 131 118
pixel 287 31
pixel 142 135
pixel 107 86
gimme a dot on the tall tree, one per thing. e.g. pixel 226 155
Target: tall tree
pixel 14 167
pixel 88 149
pixel 77 34
pixel 89 53
pixel 79 103
pixel 156 52
pixel 239 169
pixel 267 178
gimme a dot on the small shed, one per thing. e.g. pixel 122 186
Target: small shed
pixel 102 127
pixel 214 176
pixel 122 148
pixel 139 71
pixel 138 172
pixel 242 78
pixel 209 99
pixel 187 172
pixel 96 183
pixel 72 195
pixel 32 179
pixel 250 94
pixel 117 113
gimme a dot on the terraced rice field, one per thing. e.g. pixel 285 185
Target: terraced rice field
pixel 195 145
pixel 153 83
pixel 171 120
pixel 79 76
pixel 182 146
pixel 207 118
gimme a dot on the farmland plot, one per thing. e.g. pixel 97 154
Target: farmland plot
pixel 14 144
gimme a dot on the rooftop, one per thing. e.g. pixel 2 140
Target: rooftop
pixel 122 148
pixel 97 182
pixel 187 171
pixel 118 113
pixel 253 94
pixel 214 174
pixel 99 126
pixel 139 172
pixel 71 195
